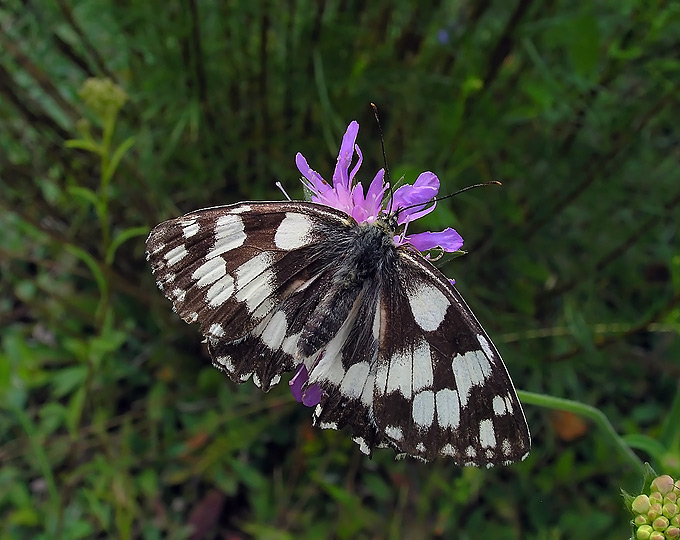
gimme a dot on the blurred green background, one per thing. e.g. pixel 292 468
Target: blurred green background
pixel 113 424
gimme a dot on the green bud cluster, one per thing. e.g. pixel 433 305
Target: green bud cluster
pixel 657 515
pixel 103 96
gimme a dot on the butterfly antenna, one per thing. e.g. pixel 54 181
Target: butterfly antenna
pixel 473 186
pixel 382 145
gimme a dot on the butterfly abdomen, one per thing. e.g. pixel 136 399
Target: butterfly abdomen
pixel 365 250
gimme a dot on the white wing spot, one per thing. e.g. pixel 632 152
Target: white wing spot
pixel 428 305
pixel 381 377
pixel 401 370
pixel 394 432
pixel 420 447
pixel 422 366
pixel 216 330
pixel 448 408
pixel 508 404
pixel 486 346
pixel 179 294
pixel 328 425
pixel 498 405
pixel 256 380
pixel 225 362
pixel 470 452
pixel 470 369
pixel 289 344
pixel 354 380
pixel 175 255
pixel 362 445
pixel 487 436
pixel 275 331
pixel 254 283
pixel 293 232
pixel 190 228
pixel 220 291
pixel 192 317
pixel 210 271
pixel 422 409
pixel 506 447
pixel 229 234
pixel 448 450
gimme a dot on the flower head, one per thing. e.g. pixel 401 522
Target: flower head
pixel 406 204
pixel 657 515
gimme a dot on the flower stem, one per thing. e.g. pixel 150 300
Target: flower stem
pixel 588 411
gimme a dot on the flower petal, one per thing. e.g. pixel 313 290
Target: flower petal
pixel 360 160
pixel 316 183
pixel 340 175
pixel 448 240
pixel 297 381
pixel 374 197
pixel 422 192
pixel 312 395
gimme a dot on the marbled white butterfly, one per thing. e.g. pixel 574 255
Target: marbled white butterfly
pixel 336 291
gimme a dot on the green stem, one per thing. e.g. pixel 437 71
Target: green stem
pixel 588 411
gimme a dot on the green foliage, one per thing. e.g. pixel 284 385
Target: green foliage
pixel 117 115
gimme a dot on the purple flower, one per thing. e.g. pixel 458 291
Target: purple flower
pixel 408 203
pixel 307 395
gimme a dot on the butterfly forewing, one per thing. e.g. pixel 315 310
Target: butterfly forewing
pixel 241 272
pixel 395 350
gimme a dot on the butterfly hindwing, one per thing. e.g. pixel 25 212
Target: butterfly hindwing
pixel 441 387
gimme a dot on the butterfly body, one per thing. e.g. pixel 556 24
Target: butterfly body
pixel 388 345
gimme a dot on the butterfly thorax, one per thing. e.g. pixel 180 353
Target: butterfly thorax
pixel 367 252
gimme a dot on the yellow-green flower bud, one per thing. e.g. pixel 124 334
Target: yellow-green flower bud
pixel 672 532
pixel 675 521
pixel 660 524
pixel 656 535
pixel 663 484
pixel 655 511
pixel 103 96
pixel 670 497
pixel 656 497
pixel 644 532
pixel 641 504
pixel 670 510
pixel 641 519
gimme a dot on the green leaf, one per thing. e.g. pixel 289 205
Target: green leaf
pixel 93 266
pixel 83 144
pixel 67 379
pixel 121 237
pixel 86 195
pixel 75 410
pixel 118 154
pixel 583 43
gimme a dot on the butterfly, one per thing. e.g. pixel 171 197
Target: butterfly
pixel 337 292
